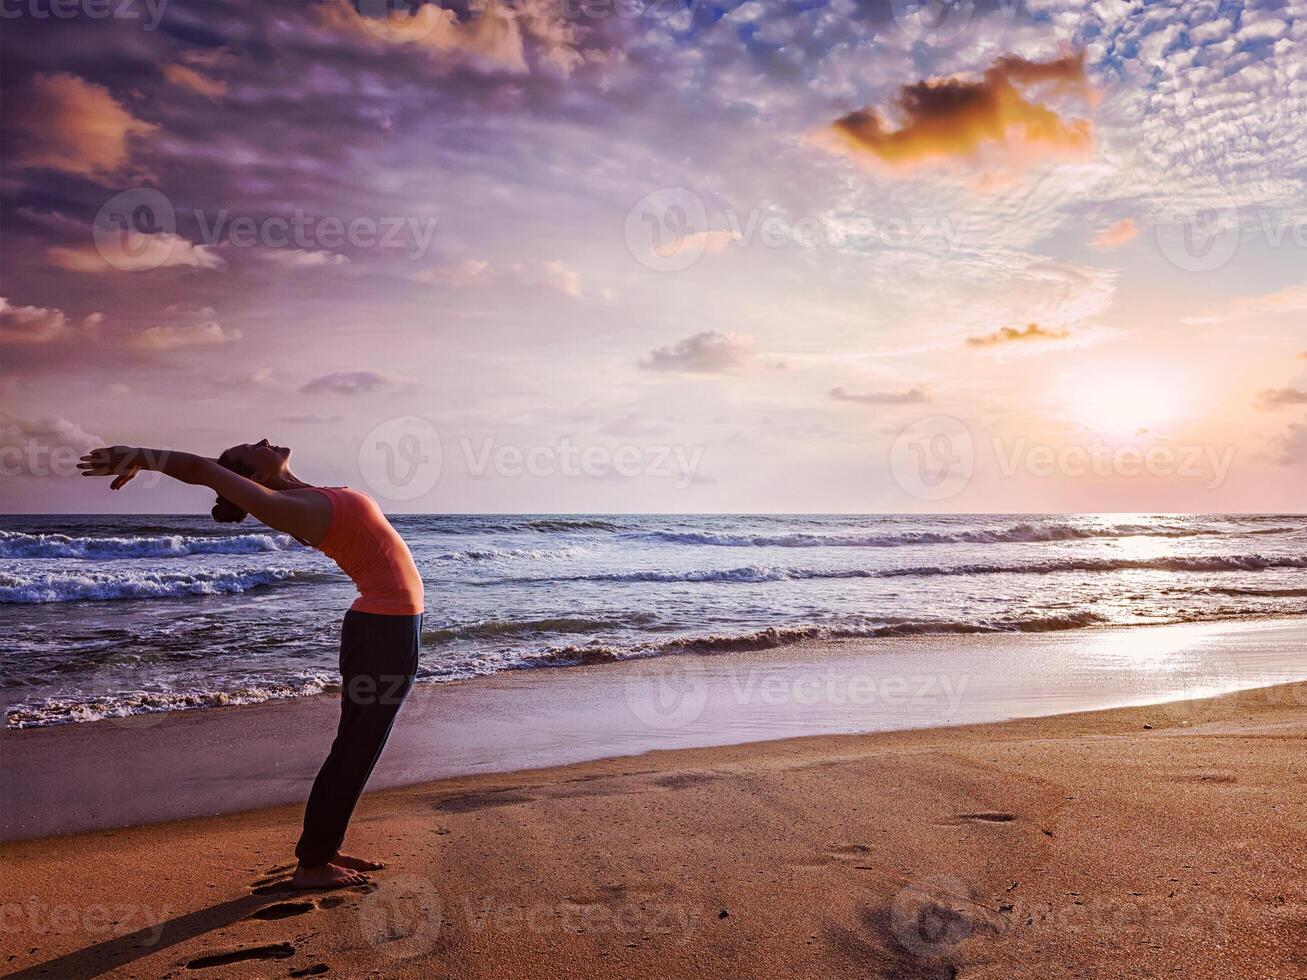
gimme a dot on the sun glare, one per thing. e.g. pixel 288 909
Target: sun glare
pixel 1126 404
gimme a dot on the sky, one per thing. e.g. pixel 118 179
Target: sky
pixel 638 256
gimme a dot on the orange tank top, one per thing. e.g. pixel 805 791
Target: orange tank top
pixel 361 541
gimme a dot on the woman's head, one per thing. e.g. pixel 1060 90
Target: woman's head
pixel 259 461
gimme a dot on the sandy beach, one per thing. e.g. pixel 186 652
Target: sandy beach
pixel 1153 840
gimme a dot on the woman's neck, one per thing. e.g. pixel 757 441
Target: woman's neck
pixel 287 482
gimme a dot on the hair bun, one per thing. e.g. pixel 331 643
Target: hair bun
pixel 225 512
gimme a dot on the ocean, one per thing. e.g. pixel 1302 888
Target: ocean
pixel 111 616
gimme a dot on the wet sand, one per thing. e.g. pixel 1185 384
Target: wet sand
pixel 156 767
pixel 1161 840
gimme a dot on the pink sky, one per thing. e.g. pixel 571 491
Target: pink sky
pixel 1040 257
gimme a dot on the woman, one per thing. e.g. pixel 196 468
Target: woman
pixel 379 639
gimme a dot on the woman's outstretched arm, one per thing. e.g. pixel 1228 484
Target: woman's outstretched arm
pixel 306 516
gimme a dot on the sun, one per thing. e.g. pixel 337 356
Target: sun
pixel 1125 403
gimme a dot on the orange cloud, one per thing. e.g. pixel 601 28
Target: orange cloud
pixel 64 123
pixel 952 118
pixel 1011 335
pixel 212 88
pixel 1114 236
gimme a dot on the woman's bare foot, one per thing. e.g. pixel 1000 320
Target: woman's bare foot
pixel 326 876
pixel 355 863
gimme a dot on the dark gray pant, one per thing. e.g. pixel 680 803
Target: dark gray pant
pixel 378 660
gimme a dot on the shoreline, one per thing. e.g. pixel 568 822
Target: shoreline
pixel 1119 842
pixel 708 645
pixel 148 768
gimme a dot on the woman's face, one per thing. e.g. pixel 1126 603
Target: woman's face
pixel 262 459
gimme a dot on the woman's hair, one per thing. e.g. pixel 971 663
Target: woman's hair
pixel 224 511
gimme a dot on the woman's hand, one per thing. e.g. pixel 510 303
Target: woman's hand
pixel 120 462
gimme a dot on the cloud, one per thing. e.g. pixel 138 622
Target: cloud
pixel 709 352
pixel 555 275
pixel 62 122
pixel 309 419
pixel 1291 299
pixel 345 383
pixel 467 272
pixel 1281 397
pixel 1292 444
pixel 133 251
pixel 44 447
pixel 913 396
pixel 1114 236
pixel 498 36
pixel 566 281
pixel 31 325
pixel 696 243
pixel 297 258
pixel 1012 335
pixel 952 118
pixel 185 77
pixel 207 334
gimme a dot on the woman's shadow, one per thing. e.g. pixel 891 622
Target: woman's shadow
pixel 111 954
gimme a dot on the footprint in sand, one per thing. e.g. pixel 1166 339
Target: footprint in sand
pixel 273 951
